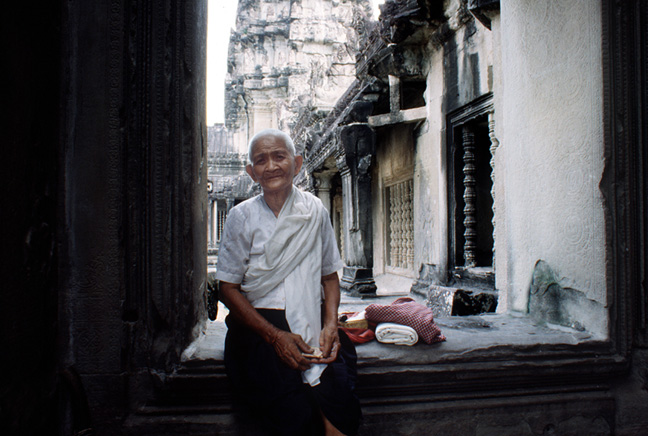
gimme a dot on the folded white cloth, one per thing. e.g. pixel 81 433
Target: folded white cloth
pixel 398 334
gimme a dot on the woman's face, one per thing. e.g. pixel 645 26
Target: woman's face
pixel 273 166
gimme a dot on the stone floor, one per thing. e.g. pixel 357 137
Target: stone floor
pixel 465 335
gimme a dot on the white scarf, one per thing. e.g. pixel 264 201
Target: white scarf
pixel 293 254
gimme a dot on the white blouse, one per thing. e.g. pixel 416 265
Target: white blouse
pixel 248 227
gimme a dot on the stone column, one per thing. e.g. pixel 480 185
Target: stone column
pixel 323 187
pixel 213 223
pixel 358 143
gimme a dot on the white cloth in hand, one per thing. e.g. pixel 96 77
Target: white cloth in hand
pixel 398 334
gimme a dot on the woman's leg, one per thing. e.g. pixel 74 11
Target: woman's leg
pixel 335 395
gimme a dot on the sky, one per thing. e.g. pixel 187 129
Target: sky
pixel 220 20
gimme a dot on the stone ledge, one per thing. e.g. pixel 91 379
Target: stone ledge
pixel 473 335
pixel 504 335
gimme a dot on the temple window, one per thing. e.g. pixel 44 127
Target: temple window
pixel 399 225
pixel 471 228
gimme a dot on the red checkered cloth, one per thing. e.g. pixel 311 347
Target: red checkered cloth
pixel 407 312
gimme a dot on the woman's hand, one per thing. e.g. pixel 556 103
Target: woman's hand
pixel 329 344
pixel 329 339
pixel 289 347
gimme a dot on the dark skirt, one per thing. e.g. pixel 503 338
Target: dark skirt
pixel 275 393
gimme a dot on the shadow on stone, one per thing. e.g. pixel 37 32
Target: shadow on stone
pixel 472 303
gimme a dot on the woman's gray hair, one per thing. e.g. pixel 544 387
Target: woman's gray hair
pixel 287 140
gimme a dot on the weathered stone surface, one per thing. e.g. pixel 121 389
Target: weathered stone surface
pixel 473 278
pixel 550 302
pixel 452 301
pixel 440 299
pixel 467 292
pixel 553 195
pixel 429 274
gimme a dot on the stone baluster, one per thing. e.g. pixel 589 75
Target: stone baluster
pixel 401 225
pixel 493 148
pixel 222 216
pixel 397 225
pixel 409 229
pixel 470 197
pixel 213 222
pixel 392 226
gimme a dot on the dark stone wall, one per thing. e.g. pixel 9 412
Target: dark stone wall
pixel 91 247
pixel 134 150
pixel 29 171
pixel 103 222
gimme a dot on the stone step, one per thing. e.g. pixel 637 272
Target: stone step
pixel 201 386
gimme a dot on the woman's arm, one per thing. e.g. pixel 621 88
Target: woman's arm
pixel 329 339
pixel 288 346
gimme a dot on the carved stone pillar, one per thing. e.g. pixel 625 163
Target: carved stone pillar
pixel 323 187
pixel 358 143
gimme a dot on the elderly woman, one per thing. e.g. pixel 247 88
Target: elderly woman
pixel 277 268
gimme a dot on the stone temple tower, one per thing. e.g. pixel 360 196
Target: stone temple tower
pixel 287 57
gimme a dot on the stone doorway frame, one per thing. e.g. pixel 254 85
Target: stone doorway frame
pixel 158 138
